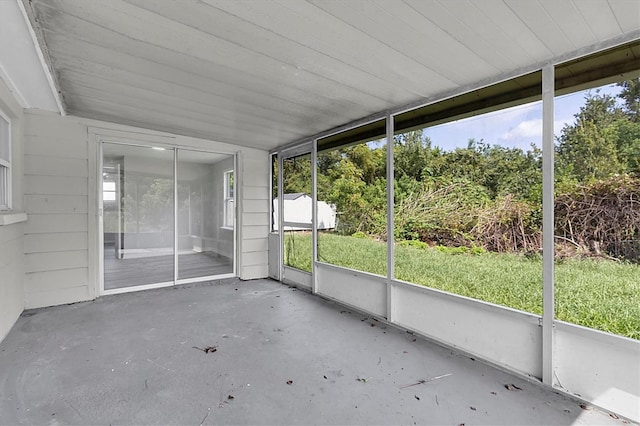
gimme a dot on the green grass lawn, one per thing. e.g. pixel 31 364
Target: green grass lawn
pixel 600 294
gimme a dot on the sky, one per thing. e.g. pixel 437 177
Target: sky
pixel 516 127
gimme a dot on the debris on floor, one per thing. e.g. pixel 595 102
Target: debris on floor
pixel 423 381
pixel 206 349
pixel 205 417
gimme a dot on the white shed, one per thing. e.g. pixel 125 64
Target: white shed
pixel 298 209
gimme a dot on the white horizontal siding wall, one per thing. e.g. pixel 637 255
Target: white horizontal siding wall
pixel 56 200
pixel 59 260
pixel 11 276
pixel 253 214
pixel 11 235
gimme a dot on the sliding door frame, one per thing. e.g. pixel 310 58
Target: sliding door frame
pixel 97 138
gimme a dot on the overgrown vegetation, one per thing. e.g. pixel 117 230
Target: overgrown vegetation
pixel 489 195
pixel 601 217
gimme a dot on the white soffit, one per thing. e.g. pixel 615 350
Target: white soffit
pixel 266 73
pixel 20 66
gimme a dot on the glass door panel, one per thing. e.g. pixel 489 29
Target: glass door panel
pixel 206 214
pixel 138 220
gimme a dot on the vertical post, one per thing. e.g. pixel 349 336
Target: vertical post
pixel 280 216
pixel 237 217
pixel 96 221
pixel 314 216
pixel 548 224
pixel 390 219
pixel 175 216
pixel 273 168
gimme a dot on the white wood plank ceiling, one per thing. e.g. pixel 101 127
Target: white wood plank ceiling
pixel 264 73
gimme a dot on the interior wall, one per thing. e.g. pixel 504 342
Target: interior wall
pixel 504 336
pixel 57 186
pixel 599 367
pixel 11 234
pixel 219 239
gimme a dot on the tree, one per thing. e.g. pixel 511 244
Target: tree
pixel 372 162
pixel 587 149
pixel 297 175
pixel 630 94
pixel 412 155
pixel 627 140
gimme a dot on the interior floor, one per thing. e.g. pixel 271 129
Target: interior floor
pixel 256 352
pixel 155 267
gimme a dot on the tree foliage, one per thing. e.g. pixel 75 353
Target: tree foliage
pixel 482 194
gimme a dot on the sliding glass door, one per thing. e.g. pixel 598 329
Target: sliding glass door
pixel 206 214
pixel 168 216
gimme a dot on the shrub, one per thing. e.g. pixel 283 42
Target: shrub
pixel 602 217
pixel 440 212
pixel 414 243
pixel 509 225
pixel 460 250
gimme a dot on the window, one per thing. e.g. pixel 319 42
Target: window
pixel 352 199
pixel 228 199
pixel 5 162
pixel 597 221
pixel 468 206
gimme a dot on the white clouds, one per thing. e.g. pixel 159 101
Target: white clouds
pixel 527 129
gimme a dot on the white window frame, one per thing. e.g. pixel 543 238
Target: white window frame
pixel 228 217
pixel 5 166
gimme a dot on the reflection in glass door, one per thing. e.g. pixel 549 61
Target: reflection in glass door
pixel 150 240
pixel 206 214
pixel 138 215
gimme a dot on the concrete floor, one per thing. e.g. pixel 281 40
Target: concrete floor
pixel 283 357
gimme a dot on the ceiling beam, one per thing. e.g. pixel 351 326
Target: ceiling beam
pixel 40 46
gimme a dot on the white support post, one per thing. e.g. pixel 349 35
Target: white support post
pixel 175 216
pixel 390 219
pixel 96 256
pixel 280 215
pixel 548 225
pixel 237 217
pixel 314 216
